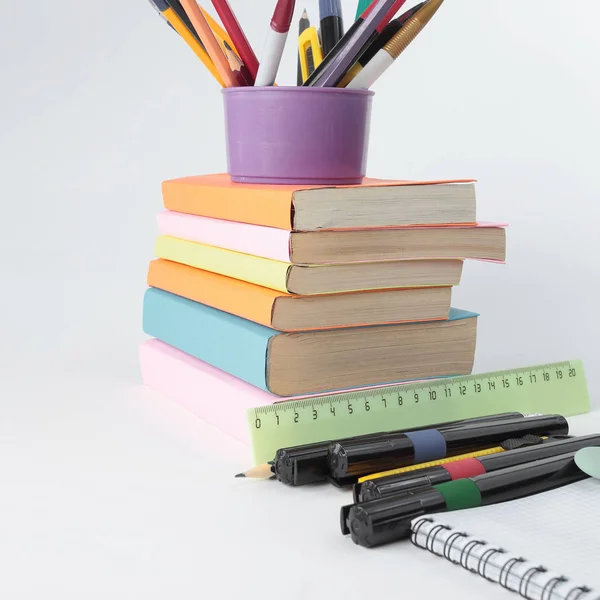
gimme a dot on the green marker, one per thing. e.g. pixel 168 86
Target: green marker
pixel 388 519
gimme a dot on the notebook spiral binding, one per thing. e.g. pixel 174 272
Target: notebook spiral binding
pixel 438 530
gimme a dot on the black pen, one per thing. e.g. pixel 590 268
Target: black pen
pixel 364 457
pixel 388 519
pixel 468 467
pixel 332 24
pixel 301 465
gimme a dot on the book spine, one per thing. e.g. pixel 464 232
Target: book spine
pixel 236 297
pixel 261 271
pixel 207 392
pixel 225 341
pixel 267 242
pixel 270 206
pixel 513 572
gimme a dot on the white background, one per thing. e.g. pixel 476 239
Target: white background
pixel 104 484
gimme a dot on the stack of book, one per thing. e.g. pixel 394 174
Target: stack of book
pixel 263 293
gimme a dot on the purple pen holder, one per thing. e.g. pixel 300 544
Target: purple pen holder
pixel 297 135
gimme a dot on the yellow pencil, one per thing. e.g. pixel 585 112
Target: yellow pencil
pixel 179 26
pixel 210 41
pixel 434 463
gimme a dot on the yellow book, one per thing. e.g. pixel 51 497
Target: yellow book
pixel 261 271
pixel 310 279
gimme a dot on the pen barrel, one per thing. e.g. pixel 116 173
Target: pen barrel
pixel 529 478
pixel 363 457
pixel 370 456
pixel 400 42
pixel 271 57
pixel 388 519
pixel 471 437
pixel 377 44
pixel 547 449
pixel 300 465
pixel 401 483
pixel 332 31
pixel 371 72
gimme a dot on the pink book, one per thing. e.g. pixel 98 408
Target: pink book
pixel 196 385
pixel 342 246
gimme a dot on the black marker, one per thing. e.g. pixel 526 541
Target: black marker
pixel 300 465
pixel 364 457
pixel 389 519
pixel 468 467
pixel 332 24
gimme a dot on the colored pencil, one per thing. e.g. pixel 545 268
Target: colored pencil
pixel 237 66
pixel 187 32
pixel 238 37
pixel 210 41
pixel 222 36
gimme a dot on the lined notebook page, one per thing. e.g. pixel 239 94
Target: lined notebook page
pixel 559 529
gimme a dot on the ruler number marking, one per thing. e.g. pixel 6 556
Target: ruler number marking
pixel 501 381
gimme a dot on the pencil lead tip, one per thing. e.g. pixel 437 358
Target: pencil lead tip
pixel 304 14
pixel 241 475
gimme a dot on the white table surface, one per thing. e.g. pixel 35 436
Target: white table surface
pixel 110 490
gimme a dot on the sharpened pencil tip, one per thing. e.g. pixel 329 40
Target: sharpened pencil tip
pixel 241 475
pixel 304 14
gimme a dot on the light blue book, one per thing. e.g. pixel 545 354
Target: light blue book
pixel 290 364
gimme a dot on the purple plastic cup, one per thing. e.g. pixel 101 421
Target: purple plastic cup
pixel 297 135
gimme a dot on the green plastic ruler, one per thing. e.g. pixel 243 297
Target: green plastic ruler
pixel 554 388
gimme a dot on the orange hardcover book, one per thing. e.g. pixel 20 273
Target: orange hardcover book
pixel 374 203
pixel 288 312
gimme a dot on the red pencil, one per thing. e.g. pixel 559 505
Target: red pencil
pixel 237 36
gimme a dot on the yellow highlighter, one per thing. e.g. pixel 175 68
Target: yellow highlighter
pixel 433 463
pixel 311 55
pixel 180 23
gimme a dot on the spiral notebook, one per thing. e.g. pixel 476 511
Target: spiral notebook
pixel 543 547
